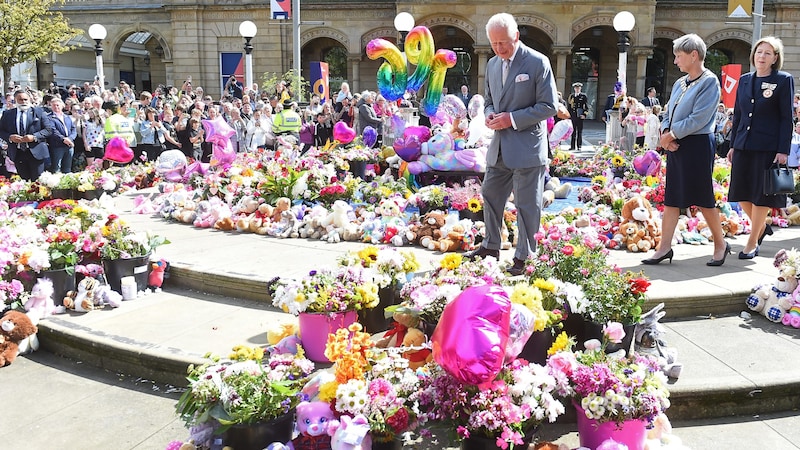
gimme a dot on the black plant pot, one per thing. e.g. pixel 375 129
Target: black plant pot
pixel 535 349
pixel 373 319
pixel 259 435
pixel 63 282
pixel 117 269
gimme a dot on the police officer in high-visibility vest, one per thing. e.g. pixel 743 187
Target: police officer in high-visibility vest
pixel 287 121
pixel 118 125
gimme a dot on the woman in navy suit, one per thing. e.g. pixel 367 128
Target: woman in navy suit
pixel 761 135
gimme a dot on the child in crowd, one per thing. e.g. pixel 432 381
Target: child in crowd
pixel 652 128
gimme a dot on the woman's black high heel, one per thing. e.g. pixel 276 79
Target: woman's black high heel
pixel 751 255
pixel 767 232
pixel 653 261
pixel 718 262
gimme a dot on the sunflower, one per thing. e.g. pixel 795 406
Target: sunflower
pixel 369 255
pixel 599 180
pixel 617 161
pixel 474 205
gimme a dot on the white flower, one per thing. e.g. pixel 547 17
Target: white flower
pixel 352 397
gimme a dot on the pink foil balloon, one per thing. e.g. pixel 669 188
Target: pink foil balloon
pixel 422 132
pixel 471 337
pixel 561 130
pixel 219 133
pixel 118 151
pixel 343 133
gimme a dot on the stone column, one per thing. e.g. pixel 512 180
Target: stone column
pixel 355 65
pixel 641 54
pixel 482 53
pixel 561 53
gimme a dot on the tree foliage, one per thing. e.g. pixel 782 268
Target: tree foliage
pixel 31 29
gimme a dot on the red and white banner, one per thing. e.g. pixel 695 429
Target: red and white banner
pixel 730 81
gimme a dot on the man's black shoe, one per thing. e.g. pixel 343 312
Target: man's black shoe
pixel 483 252
pixel 518 268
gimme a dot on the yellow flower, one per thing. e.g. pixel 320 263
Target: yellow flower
pixel 617 161
pixel 577 250
pixel 651 181
pixel 717 196
pixel 527 295
pixel 561 343
pixel 369 294
pixel 599 179
pixel 544 285
pixel 474 205
pixel 247 172
pixel 451 261
pixel 369 255
pixel 327 391
pixel 410 263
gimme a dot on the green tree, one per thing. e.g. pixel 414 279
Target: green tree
pixel 31 29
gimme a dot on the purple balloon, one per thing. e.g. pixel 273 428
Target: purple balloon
pixel 408 148
pixel 422 132
pixel 370 136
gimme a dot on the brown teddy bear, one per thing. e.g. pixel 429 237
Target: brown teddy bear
pixel 405 333
pixel 451 242
pixel 428 229
pixel 14 327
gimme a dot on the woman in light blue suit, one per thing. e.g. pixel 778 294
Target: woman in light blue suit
pixel 520 96
pixel 761 135
pixel 687 135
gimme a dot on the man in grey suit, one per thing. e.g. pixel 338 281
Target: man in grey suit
pixel 520 96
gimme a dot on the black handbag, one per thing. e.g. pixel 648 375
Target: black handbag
pixel 778 180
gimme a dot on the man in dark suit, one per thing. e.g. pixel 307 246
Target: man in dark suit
pixel 520 96
pixel 62 141
pixel 26 129
pixel 651 99
pixel 465 96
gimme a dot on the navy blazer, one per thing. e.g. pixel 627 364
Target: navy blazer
pixel 762 120
pixel 38 124
pixel 61 131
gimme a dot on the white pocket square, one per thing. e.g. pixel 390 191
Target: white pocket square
pixel 522 77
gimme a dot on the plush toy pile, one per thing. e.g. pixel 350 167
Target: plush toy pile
pixel 779 300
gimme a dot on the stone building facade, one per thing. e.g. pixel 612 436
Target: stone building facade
pixel 189 38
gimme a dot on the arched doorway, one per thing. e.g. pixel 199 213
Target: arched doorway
pixel 466 70
pixel 331 51
pixel 594 63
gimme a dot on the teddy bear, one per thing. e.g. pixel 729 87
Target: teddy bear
pixel 429 228
pixel 451 242
pixel 258 221
pixel 313 419
pixel 442 152
pixel 40 304
pixel 290 226
pixel 350 433
pixel 335 222
pixel 158 271
pixel 773 300
pixel 636 208
pixel 634 238
pixel 281 205
pixel 792 214
pixel 405 333
pixel 649 340
pixel 82 300
pixel 15 326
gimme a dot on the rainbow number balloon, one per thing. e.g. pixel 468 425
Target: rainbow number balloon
pixel 432 65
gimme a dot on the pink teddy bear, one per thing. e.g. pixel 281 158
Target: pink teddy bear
pixel 313 420
pixel 792 316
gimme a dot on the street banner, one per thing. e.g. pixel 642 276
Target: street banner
pixel 280 9
pixel 740 9
pixel 730 80
pixel 319 80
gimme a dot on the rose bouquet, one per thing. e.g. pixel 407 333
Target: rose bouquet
pixel 243 391
pixel 339 289
pixel 609 387
pixel 520 398
pixel 377 385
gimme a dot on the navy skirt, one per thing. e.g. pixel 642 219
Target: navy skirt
pixel 747 179
pixel 689 181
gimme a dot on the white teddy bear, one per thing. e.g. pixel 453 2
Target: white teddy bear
pixel 775 299
pixel 336 221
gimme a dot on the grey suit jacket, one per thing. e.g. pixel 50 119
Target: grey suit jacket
pixel 530 95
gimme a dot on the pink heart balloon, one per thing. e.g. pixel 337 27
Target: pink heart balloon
pixel 471 338
pixel 408 149
pixel 343 133
pixel 422 132
pixel 118 151
pixel 647 164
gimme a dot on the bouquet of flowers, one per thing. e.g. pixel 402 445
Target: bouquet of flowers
pixel 329 290
pixel 520 398
pixel 244 391
pixel 568 255
pixel 467 196
pixel 610 387
pixel 431 197
pixel 549 300
pixel 391 266
pixel 379 386
pixel 614 295
pixel 121 242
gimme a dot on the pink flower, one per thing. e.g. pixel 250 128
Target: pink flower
pixel 614 331
pixel 563 362
pixel 568 250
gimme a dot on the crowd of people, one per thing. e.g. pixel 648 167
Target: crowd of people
pixel 79 120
